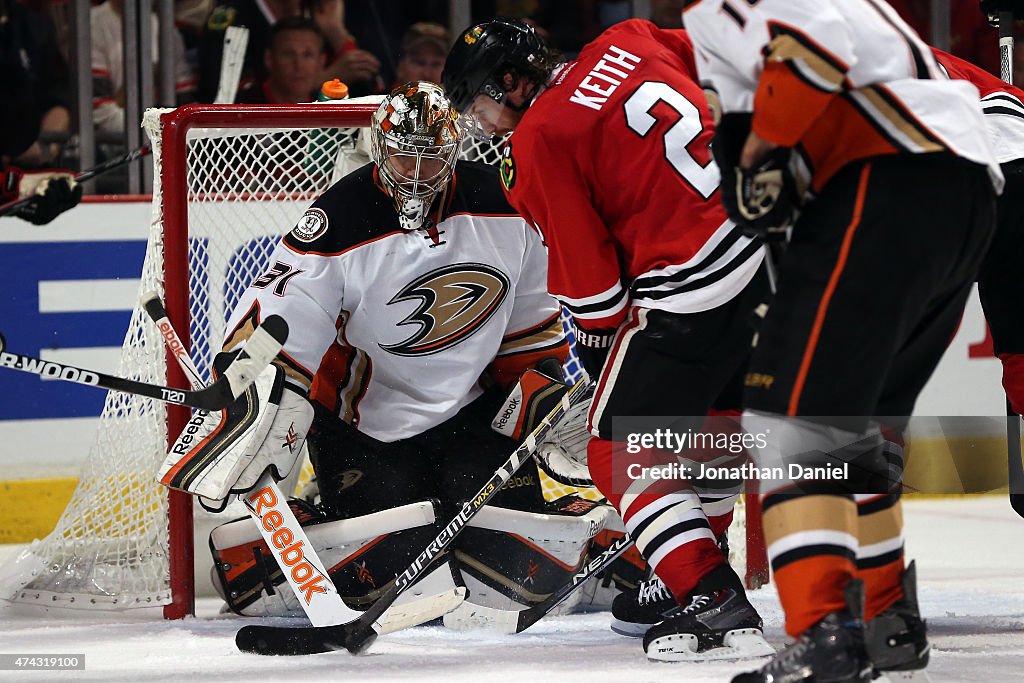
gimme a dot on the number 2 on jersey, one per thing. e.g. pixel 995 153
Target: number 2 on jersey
pixel 704 178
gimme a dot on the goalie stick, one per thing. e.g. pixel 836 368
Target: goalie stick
pixel 262 347
pixel 357 636
pixel 317 594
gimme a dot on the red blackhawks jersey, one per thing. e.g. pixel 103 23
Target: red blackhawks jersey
pixel 394 330
pixel 611 163
pixel 837 80
pixel 1002 104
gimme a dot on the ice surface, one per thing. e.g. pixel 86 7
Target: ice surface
pixel 970 554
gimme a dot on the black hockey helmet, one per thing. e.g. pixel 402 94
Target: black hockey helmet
pixel 485 53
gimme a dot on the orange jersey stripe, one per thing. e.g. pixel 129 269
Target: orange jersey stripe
pixel 819 321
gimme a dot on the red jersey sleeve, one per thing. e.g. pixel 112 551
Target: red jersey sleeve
pixel 583 264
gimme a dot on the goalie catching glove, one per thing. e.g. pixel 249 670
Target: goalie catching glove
pixel 563 452
pixel 227 452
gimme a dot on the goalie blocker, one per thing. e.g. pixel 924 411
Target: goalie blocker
pixel 224 452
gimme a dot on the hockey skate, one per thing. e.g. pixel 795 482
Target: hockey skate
pixel 718 623
pixel 897 639
pixel 635 611
pixel 831 651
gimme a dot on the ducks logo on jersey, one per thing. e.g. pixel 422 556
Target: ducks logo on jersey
pixel 454 302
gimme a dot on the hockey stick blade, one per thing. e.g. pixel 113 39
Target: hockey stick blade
pixel 469 617
pixel 269 338
pixel 358 635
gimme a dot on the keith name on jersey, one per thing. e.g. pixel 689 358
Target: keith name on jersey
pixel 608 74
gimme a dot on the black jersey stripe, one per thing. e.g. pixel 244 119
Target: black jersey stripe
pixel 611 303
pixel 703 282
pixel 650 281
pixel 920 63
pixel 1003 110
pixel 813 550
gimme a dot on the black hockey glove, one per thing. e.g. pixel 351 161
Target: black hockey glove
pixel 52 194
pixel 761 200
pixel 992 8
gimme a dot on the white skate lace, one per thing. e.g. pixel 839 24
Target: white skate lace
pixel 697 603
pixel 653 590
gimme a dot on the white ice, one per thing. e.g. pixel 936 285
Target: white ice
pixel 970 554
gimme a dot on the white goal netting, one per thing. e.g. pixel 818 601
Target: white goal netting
pixel 228 181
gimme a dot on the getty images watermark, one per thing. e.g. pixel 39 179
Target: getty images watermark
pixel 719 443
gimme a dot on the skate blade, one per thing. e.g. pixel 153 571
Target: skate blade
pixel 919 676
pixel 630 629
pixel 745 643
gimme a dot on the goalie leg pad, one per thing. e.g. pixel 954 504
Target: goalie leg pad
pixel 511 559
pixel 363 556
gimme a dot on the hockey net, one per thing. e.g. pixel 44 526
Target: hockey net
pixel 228 180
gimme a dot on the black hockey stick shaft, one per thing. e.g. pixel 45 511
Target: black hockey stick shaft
pixel 88 174
pixel 1015 467
pixel 358 635
pixel 530 616
pixel 1014 460
pixel 217 396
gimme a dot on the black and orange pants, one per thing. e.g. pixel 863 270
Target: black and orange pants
pixel 870 293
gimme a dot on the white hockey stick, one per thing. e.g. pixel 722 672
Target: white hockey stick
pixel 283 534
pixel 236 39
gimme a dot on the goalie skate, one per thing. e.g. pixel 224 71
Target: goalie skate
pixel 718 623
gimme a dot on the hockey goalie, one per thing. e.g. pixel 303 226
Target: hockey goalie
pixel 416 299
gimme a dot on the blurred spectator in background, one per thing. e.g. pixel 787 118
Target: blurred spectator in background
pixel 359 69
pixel 29 35
pixel 25 106
pixel 971 37
pixel 294 61
pixel 190 17
pixel 667 13
pixel 345 59
pixel 424 49
pixel 108 67
pixel 258 17
pixel 380 27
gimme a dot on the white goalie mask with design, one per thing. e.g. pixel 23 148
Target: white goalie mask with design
pixel 415 139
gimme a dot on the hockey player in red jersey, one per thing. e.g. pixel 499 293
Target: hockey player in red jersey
pixel 416 298
pixel 609 160
pixel 839 127
pixel 999 282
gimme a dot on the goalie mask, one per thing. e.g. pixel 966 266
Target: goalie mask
pixel 415 139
